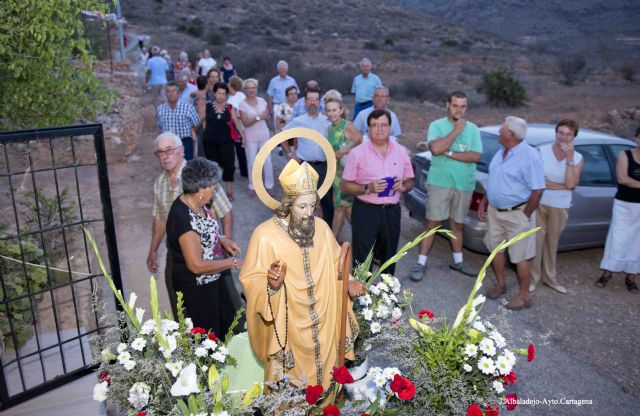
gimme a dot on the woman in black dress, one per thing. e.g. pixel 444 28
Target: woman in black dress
pixel 202 258
pixel 217 141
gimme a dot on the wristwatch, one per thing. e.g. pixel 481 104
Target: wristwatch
pixel 449 153
pixel 366 189
pixel 258 118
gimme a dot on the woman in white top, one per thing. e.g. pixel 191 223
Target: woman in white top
pixel 235 98
pixel 254 114
pixel 562 167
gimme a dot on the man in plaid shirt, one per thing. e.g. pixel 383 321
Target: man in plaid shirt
pixel 178 118
pixel 168 187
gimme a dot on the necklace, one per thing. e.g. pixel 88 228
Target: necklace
pixel 188 203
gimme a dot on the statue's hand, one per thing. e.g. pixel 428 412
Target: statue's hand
pixel 276 274
pixel 357 289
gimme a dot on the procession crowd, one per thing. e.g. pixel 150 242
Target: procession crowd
pixel 212 113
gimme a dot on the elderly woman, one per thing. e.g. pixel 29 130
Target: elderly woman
pixel 236 96
pixel 202 257
pixel 562 167
pixel 254 113
pixel 285 112
pixel 622 249
pixel 217 140
pixel 343 136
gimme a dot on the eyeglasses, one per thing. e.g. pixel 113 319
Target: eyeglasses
pixel 167 152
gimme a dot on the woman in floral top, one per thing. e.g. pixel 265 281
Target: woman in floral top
pixel 343 136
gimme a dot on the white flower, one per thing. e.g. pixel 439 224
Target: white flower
pixel 168 325
pixel 386 299
pixel 201 352
pixel 498 339
pixel 129 365
pixel 470 350
pixel 383 287
pixel 374 370
pixel 124 356
pixel 478 325
pixel 375 290
pixel 487 347
pixel 139 395
pixel 510 356
pixel 380 380
pixel 479 300
pixel 396 314
pixel 472 316
pixel 223 350
pixel 390 372
pixel 489 325
pixel 139 314
pixel 393 298
pixel 367 314
pixel 132 300
pixel 383 311
pixel 174 368
pixel 121 347
pixel 219 356
pixel 467 368
pixel 171 340
pixel 106 354
pixel 497 386
pixel 100 391
pixel 387 279
pixel 138 344
pixel 148 327
pixel 365 300
pixel 221 413
pixel 189 324
pixel 503 365
pixel 375 327
pixel 486 365
pixel 204 368
pixel 209 344
pixel 187 382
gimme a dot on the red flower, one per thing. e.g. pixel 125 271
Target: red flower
pixel 474 410
pixel 212 336
pixel 511 401
pixel 425 312
pixel 531 353
pixel 365 414
pixel 313 393
pixel 104 376
pixel 493 410
pixel 403 387
pixel 342 375
pixel 331 411
pixel 198 330
pixel 509 378
pixel 141 414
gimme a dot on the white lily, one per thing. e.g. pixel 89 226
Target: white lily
pixel 187 382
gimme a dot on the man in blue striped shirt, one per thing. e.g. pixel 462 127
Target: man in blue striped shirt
pixel 363 87
pixel 178 118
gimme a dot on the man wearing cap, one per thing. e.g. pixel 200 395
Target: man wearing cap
pixel 290 280
pixel 168 187
pixel 516 183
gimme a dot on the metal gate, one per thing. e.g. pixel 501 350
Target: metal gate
pixel 53 182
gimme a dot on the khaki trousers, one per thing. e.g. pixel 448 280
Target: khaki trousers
pixel 552 220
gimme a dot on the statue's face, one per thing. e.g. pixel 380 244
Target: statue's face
pixel 303 207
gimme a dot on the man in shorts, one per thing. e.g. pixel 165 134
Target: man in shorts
pixel 516 184
pixel 456 147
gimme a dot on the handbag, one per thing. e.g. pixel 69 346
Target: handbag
pixel 235 134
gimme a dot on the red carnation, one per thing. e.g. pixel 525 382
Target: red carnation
pixel 474 410
pixel 212 336
pixel 425 312
pixel 365 414
pixel 331 411
pixel 531 353
pixel 403 387
pixel 198 330
pixel 511 401
pixel 341 375
pixel 509 378
pixel 313 393
pixel 141 414
pixel 104 376
pixel 493 410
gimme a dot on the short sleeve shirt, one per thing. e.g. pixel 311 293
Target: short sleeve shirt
pixel 277 87
pixel 512 178
pixel 181 220
pixel 446 172
pixel 365 165
pixel 361 122
pixel 363 88
pixel 158 67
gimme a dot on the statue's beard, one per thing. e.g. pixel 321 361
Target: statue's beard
pixel 301 230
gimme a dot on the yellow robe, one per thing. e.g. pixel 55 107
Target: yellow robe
pixel 313 301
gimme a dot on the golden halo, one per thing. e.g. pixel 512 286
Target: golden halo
pixel 314 136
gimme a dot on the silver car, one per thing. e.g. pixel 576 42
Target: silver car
pixel 590 212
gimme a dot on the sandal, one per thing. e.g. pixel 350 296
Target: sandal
pixel 631 285
pixel 603 280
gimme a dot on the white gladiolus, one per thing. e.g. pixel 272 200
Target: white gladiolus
pixel 139 395
pixel 189 324
pixel 171 340
pixel 186 383
pixel 498 387
pixel 100 391
pixel 174 368
pixel 479 300
pixel 139 314
pixel 132 300
pixel 138 344
pixel 486 365
pixel 479 326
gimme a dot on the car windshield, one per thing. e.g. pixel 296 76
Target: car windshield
pixel 490 146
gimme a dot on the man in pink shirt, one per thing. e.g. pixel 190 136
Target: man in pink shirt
pixel 376 172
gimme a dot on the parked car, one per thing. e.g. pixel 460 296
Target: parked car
pixel 590 212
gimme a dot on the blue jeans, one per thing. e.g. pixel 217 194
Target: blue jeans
pixel 187 143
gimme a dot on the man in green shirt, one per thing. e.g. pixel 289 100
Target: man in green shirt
pixel 455 147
